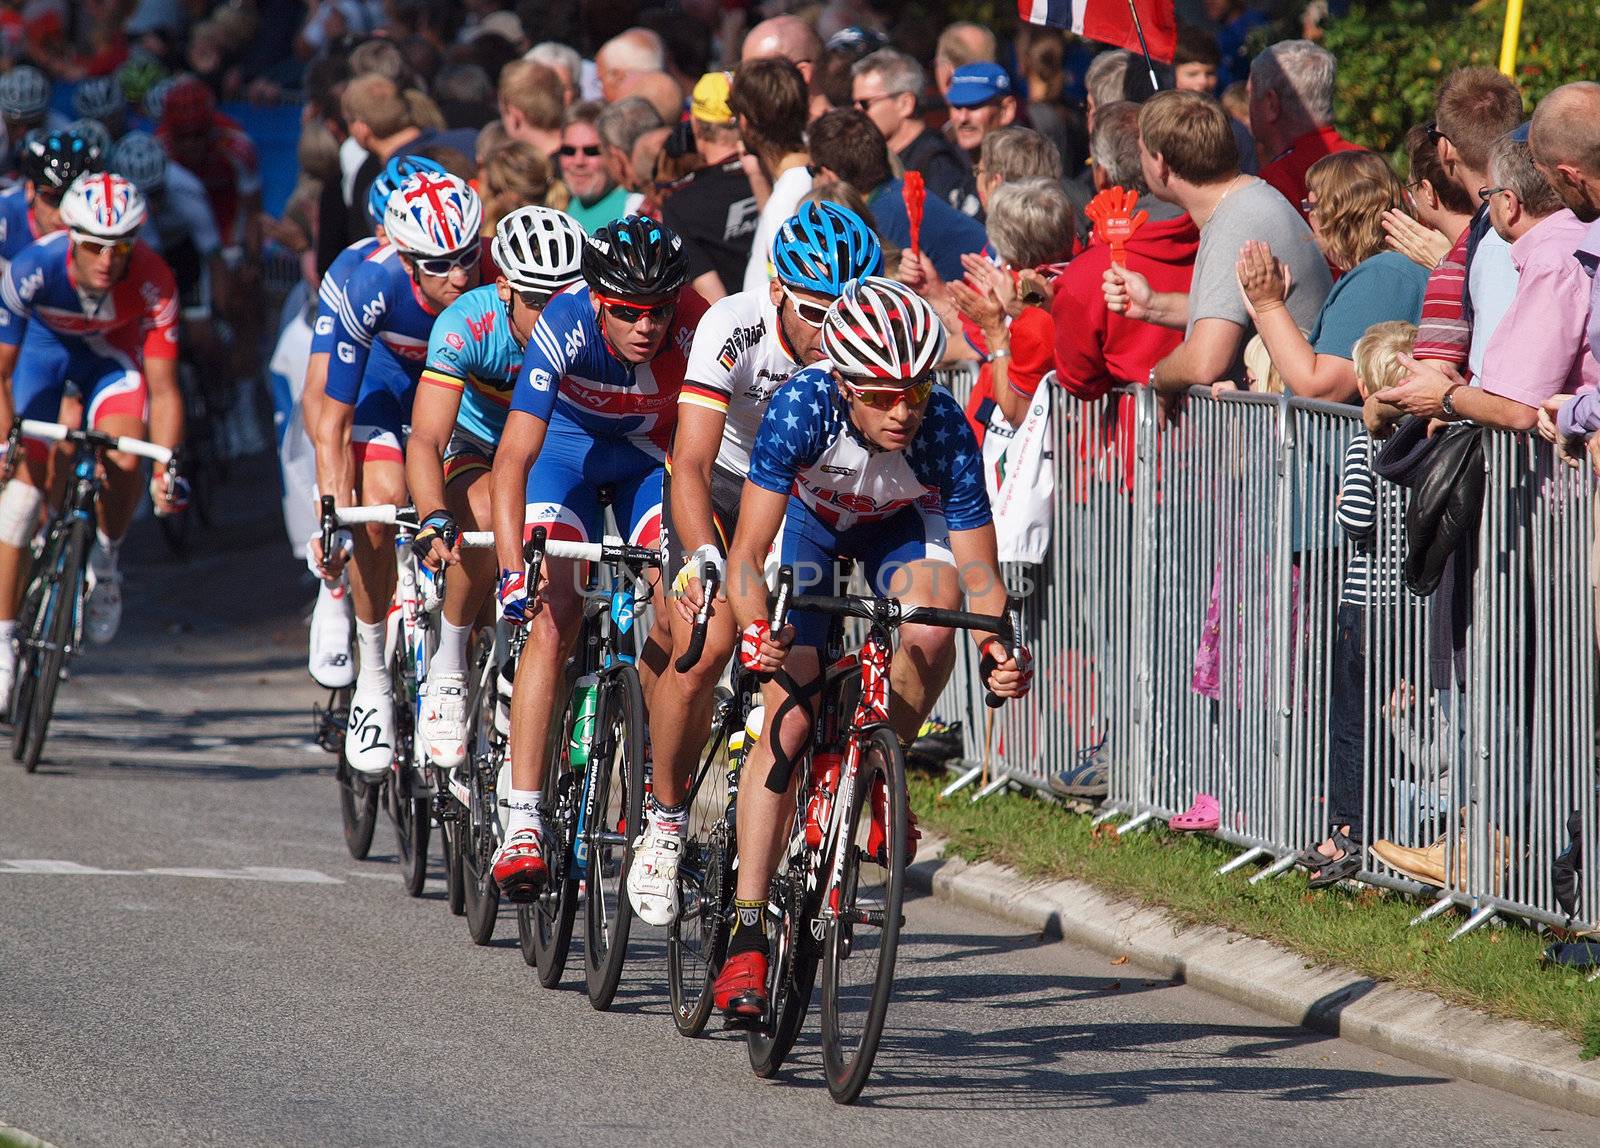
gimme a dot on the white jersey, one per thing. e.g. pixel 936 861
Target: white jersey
pixel 736 364
pixel 181 212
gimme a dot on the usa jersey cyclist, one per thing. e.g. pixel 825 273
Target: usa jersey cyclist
pixel 474 355
pixel 329 659
pixel 864 458
pixel 746 348
pixel 594 404
pixel 49 163
pixel 94 306
pixel 381 328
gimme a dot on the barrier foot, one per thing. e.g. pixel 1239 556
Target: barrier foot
pixel 1135 825
pixel 1592 977
pixel 1472 922
pixel 962 782
pixel 1443 904
pixel 999 782
pixel 1102 818
pixel 1242 860
pixel 1280 866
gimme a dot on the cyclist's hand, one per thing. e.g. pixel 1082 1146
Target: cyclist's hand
pixel 438 542
pixel 329 566
pixel 516 605
pixel 169 492
pixel 686 586
pixel 1008 678
pixel 760 650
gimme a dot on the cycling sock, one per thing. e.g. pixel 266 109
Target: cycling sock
pixel 369 641
pixel 8 628
pixel 103 555
pixel 669 818
pixel 749 930
pixel 525 809
pixel 451 656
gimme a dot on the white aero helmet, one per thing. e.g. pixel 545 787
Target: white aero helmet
pixel 539 249
pixel 432 214
pixel 881 329
pixel 102 205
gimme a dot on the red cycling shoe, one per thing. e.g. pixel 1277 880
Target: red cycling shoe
pixel 519 868
pixel 740 991
pixel 878 834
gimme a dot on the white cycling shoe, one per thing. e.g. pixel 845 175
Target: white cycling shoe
pixel 102 609
pixel 332 663
pixel 369 738
pixel 653 877
pixel 442 727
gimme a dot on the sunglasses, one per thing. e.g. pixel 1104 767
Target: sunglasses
pixel 466 259
pixel 94 248
pixel 1434 134
pixel 866 104
pixel 567 151
pixel 631 313
pixel 887 398
pixel 811 314
pixel 1488 193
pixel 1308 207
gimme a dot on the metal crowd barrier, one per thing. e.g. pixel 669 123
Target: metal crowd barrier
pixel 1183 627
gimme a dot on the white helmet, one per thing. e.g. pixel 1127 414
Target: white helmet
pixel 102 205
pixel 881 329
pixel 432 214
pixel 24 94
pixel 539 249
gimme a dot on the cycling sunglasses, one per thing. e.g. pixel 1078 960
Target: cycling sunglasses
pixel 811 314
pixel 887 398
pixel 631 313
pixel 466 259
pixel 567 151
pixel 95 248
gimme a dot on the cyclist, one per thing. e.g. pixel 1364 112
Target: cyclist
pixel 93 305
pixel 864 458
pixel 180 227
pixel 595 403
pixel 381 327
pixel 748 345
pixel 49 162
pixel 100 98
pixel 24 107
pixel 474 354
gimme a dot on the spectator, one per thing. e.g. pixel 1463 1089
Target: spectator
pixel 1047 109
pixel 1095 349
pixel 1236 102
pixel 1111 79
pixel 465 96
pixel 981 101
pixel 845 145
pixel 1443 213
pixel 960 44
pixel 1541 347
pixel 660 91
pixel 840 56
pixel 514 176
pixel 620 125
pixel 1291 113
pixel 790 38
pixel 564 62
pixel 1234 23
pixel 1194 69
pixel 1346 197
pixel 1011 154
pixel 769 98
pixel 886 86
pixel 1188 158
pixel 715 212
pixel 631 52
pixel 531 104
pixel 597 198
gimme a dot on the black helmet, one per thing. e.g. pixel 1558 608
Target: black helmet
pixel 54 159
pixel 635 258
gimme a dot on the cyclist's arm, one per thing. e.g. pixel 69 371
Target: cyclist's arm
pixel 433 417
pixel 311 395
pixel 520 444
pixel 694 451
pixel 761 513
pixel 978 563
pixel 335 466
pixel 166 401
pixel 8 369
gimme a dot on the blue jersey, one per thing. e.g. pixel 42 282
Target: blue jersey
pixel 807 447
pixel 331 293
pixel 568 365
pixel 473 352
pixel 381 328
pixel 17 228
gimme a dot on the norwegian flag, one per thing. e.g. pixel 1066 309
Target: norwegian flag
pixel 1111 22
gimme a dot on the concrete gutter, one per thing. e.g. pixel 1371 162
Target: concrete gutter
pixel 1509 1055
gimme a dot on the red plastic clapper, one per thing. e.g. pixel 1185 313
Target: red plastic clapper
pixel 915 192
pixel 1115 220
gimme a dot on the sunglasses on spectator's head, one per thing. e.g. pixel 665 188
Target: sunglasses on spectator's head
pixel 881 398
pixel 811 314
pixel 1434 134
pixel 466 259
pixel 94 248
pixel 631 313
pixel 567 151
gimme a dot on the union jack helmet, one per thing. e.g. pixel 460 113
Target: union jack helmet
pixel 881 329
pixel 433 214
pixel 102 205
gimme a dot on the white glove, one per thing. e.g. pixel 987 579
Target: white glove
pixel 343 544
pixel 694 566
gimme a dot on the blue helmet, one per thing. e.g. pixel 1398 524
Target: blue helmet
pixel 394 173
pixel 823 246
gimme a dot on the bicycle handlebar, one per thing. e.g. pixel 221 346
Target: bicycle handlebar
pixel 710 581
pixel 56 432
pixel 609 549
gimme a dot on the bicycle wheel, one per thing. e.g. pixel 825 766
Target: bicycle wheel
pixel 412 815
pixel 546 925
pixel 791 974
pixel 477 825
pixel 61 603
pixel 451 830
pixel 616 812
pixel 358 807
pixel 697 940
pixel 863 936
pixel 29 639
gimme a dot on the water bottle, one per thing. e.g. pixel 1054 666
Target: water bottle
pixel 583 724
pixel 825 782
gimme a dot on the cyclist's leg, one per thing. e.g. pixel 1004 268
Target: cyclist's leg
pixel 637 477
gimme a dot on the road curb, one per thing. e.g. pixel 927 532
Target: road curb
pixel 1509 1055
pixel 16 1138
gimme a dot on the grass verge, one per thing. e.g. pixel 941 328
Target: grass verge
pixel 1495 970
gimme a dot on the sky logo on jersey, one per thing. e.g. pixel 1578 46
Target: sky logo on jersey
pixel 454 340
pixel 574 342
pixel 372 311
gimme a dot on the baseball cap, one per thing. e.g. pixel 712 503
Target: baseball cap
pixel 709 101
pixel 974 84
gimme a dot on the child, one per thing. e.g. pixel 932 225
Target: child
pixel 1377 362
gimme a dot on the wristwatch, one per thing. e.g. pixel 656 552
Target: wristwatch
pixel 1448 403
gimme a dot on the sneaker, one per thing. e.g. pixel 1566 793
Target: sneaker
pixel 1089 777
pixel 740 990
pixel 937 740
pixel 103 608
pixel 331 662
pixel 519 866
pixel 369 736
pixel 653 876
pixel 442 727
pixel 8 677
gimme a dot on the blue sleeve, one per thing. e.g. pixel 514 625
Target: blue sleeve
pixel 1375 291
pixel 945 458
pixel 330 296
pixel 794 431
pixel 357 319
pixel 559 339
pixel 17 287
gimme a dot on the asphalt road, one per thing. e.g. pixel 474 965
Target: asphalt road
pixel 188 955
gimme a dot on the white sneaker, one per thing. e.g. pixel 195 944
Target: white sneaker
pixel 8 676
pixel 332 663
pixel 369 738
pixel 102 609
pixel 653 877
pixel 442 727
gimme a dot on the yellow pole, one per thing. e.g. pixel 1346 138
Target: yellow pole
pixel 1508 42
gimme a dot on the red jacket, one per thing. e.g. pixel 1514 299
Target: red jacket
pixel 1287 170
pixel 1095 349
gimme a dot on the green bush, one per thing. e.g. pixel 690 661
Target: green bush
pixel 1393 55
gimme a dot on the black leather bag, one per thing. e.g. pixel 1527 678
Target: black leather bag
pixel 1445 506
